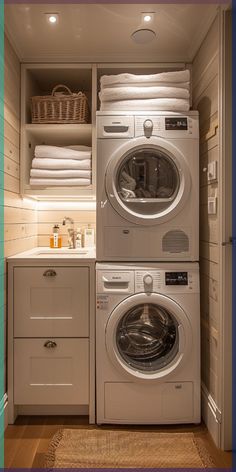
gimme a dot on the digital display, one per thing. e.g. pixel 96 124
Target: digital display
pixel 176 123
pixel 176 278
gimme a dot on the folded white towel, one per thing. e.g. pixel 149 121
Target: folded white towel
pixel 60 174
pixel 131 79
pixel 78 147
pixel 55 152
pixel 68 164
pixel 60 182
pixel 155 104
pixel 184 85
pixel 130 93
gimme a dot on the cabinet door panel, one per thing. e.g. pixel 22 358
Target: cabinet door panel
pixel 51 376
pixel 51 301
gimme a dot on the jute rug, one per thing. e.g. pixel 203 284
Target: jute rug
pixel 81 448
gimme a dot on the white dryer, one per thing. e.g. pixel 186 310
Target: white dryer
pixel 148 343
pixel 147 186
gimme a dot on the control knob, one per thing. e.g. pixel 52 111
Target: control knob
pixel 147 279
pixel 148 125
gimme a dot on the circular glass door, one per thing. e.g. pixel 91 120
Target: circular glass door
pixel 148 336
pixel 147 183
pixel 149 177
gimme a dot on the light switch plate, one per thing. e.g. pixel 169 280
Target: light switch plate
pixel 212 171
pixel 212 205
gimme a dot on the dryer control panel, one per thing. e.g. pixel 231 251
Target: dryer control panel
pixel 167 126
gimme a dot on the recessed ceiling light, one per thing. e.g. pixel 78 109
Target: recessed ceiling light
pixel 147 17
pixel 52 18
pixel 143 36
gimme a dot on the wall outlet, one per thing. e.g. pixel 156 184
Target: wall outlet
pixel 212 171
pixel 212 205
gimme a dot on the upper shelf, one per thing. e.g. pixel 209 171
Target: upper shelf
pixel 40 79
pixel 60 134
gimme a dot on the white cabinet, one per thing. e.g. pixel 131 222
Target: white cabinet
pixel 51 371
pixel 51 301
pixel 51 352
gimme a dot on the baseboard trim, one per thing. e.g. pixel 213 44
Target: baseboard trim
pixel 4 410
pixel 211 415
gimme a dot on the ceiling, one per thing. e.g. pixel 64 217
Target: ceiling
pixel 101 32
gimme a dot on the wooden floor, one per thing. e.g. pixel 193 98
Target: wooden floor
pixel 27 441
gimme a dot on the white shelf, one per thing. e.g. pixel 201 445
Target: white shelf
pixel 61 134
pixel 40 79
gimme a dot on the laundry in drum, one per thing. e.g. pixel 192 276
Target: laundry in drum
pixel 147 335
pixel 147 174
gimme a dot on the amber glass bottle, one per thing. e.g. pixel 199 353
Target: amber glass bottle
pixel 55 238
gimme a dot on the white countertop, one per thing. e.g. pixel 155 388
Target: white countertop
pixel 48 254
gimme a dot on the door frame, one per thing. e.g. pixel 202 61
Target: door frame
pixel 225 246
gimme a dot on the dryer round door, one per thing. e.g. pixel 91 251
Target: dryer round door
pixel 148 336
pixel 148 182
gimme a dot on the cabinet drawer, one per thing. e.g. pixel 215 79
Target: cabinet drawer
pixel 51 301
pixel 51 376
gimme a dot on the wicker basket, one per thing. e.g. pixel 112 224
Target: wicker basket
pixel 60 107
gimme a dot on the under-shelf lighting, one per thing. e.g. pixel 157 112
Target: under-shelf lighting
pixel 64 205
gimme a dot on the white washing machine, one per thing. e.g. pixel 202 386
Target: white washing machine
pixel 147 186
pixel 148 343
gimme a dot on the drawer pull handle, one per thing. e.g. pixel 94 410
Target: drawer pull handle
pixel 50 344
pixel 49 273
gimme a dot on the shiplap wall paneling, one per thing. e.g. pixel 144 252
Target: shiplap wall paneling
pixel 20 216
pixel 47 219
pixel 206 100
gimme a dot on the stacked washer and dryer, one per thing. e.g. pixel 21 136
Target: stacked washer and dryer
pixel 147 274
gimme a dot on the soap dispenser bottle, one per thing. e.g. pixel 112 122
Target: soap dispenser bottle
pixel 89 236
pixel 55 238
pixel 78 241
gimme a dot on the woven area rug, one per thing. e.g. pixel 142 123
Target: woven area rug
pixel 81 448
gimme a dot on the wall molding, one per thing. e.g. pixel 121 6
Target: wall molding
pixel 4 409
pixel 211 415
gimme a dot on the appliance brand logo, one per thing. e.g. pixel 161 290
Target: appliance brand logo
pixel 116 278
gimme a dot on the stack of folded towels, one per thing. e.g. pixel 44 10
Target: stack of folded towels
pixel 61 166
pixel 167 91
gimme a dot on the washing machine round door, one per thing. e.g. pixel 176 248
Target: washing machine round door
pixel 148 182
pixel 148 336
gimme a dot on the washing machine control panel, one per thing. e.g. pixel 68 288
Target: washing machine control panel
pixel 166 281
pixel 176 278
pixel 176 123
pixel 147 281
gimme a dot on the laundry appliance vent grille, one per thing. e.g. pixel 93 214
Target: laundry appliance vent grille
pixel 175 241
